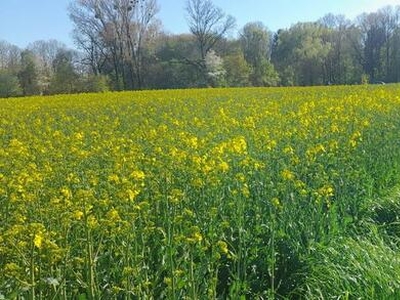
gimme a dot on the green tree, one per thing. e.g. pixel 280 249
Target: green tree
pixel 255 40
pixel 264 74
pixel 97 83
pixel 9 85
pixel 373 41
pixel 176 63
pixel 28 74
pixel 300 52
pixel 237 70
pixel 91 83
pixel 311 54
pixel 65 78
pixel 343 64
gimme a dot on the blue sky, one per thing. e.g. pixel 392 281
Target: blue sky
pixel 25 21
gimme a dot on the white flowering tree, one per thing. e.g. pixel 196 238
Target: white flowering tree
pixel 215 69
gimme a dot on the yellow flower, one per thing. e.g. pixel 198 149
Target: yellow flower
pixel 176 196
pixel 66 192
pixel 326 191
pixel 16 145
pixel 78 214
pixel 333 145
pixel 223 247
pixel 92 222
pixel 240 177
pixel 276 203
pixel 271 145
pixel 79 136
pixel 239 145
pixel 195 236
pixel 223 166
pixel 113 215
pixel 132 194
pixel 335 128
pixel 37 240
pixel 137 175
pixel 197 182
pixel 168 281
pixel 287 174
pixel 245 190
pixel 113 178
pixel 11 269
pixel 288 150
pixel 193 142
pixel 353 143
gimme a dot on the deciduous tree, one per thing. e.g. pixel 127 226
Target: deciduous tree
pixel 114 33
pixel 237 70
pixel 209 25
pixel 299 54
pixel 255 40
pixel 9 85
pixel 28 74
pixel 65 79
pixel 45 53
pixel 10 57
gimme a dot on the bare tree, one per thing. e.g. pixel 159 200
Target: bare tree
pixel 89 31
pixel 45 53
pixel 209 25
pixel 10 56
pixel 377 31
pixel 389 21
pixel 114 32
pixel 336 33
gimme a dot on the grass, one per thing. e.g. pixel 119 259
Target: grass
pixel 365 264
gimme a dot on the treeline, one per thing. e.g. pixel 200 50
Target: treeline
pixel 123 46
pixel 45 67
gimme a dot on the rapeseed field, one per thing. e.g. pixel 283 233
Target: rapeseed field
pixel 200 194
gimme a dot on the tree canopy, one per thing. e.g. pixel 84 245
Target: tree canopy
pixel 122 45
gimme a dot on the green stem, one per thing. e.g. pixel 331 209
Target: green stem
pixel 90 262
pixel 192 279
pixel 272 272
pixel 32 273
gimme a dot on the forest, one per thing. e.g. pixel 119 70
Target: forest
pixel 122 45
